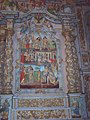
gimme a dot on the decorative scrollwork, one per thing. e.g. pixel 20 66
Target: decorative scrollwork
pixel 72 68
pixel 41 114
pixel 8 62
pixel 41 102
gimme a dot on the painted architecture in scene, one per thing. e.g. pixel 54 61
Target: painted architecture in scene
pixel 44 59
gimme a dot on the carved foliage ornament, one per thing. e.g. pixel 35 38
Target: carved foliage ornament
pixel 41 114
pixel 41 102
pixel 72 68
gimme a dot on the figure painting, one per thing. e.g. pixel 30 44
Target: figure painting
pixel 75 107
pixel 4 108
pixel 75 110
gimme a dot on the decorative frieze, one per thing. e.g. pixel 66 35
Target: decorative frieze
pixel 48 102
pixel 41 114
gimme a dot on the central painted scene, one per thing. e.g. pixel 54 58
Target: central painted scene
pixel 36 54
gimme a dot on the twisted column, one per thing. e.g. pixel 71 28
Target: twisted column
pixel 8 69
pixel 2 55
pixel 72 67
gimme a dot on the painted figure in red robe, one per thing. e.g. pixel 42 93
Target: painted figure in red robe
pixel 22 75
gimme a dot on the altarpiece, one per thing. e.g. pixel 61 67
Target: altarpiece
pixel 39 61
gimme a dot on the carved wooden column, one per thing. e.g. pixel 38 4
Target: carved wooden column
pixel 2 57
pixel 72 68
pixel 8 69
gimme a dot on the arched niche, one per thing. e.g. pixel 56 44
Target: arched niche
pixel 38 60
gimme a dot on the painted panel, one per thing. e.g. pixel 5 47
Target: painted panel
pixel 75 106
pixel 5 107
pixel 78 106
pixel 38 54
